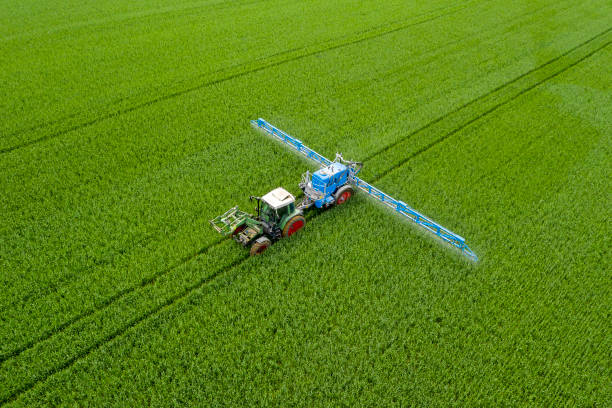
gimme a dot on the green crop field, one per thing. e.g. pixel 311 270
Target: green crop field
pixel 125 129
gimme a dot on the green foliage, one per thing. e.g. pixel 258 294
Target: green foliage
pixel 125 129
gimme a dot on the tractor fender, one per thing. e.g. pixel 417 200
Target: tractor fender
pixel 260 245
pixel 294 224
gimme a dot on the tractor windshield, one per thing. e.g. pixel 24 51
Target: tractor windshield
pixel 268 213
pixel 282 212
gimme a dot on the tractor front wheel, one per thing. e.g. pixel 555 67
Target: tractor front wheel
pixel 260 246
pixel 294 225
pixel 343 194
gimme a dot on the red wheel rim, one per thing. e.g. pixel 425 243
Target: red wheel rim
pixel 343 197
pixel 261 249
pixel 294 227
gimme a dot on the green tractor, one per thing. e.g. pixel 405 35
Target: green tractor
pixel 277 217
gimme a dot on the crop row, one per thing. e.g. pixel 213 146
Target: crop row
pixel 56 300
pixel 121 190
pixel 471 160
pixel 71 73
pixel 307 325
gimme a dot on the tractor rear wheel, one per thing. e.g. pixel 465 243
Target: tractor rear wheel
pixel 343 194
pixel 294 225
pixel 260 246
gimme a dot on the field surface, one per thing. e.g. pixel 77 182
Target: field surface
pixel 125 128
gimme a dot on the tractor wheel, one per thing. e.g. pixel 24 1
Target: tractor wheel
pixel 260 245
pixel 343 194
pixel 294 225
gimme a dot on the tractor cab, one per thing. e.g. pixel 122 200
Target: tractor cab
pixel 277 214
pixel 276 206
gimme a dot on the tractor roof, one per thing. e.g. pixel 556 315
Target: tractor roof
pixel 278 198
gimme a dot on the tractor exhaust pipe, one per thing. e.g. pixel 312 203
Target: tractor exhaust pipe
pixel 251 198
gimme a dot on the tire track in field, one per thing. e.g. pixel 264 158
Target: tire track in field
pixel 119 332
pixel 482 35
pixel 141 318
pixel 41 125
pixel 490 93
pixel 4 356
pixel 235 264
pixel 59 283
pixel 114 298
pixel 263 65
pixel 526 146
pixel 512 158
pixel 51 288
pixel 151 280
pixel 491 110
pixel 117 253
pixel 107 302
pixel 49 333
pixel 332 41
pixel 169 302
pixel 49 123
